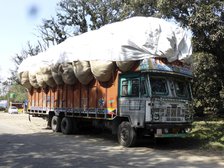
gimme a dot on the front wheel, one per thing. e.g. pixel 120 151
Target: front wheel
pixel 126 134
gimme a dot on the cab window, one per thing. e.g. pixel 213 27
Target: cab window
pixel 130 87
pixel 181 88
pixel 135 87
pixel 158 86
pixel 124 88
pixel 143 87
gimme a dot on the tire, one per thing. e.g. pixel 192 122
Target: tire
pixel 56 124
pixel 66 125
pixel 126 134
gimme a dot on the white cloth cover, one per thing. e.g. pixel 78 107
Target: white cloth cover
pixel 132 39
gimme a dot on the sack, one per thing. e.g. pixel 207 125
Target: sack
pixel 125 66
pixel 56 74
pixel 40 80
pixel 47 76
pixel 24 79
pixel 67 73
pixel 82 71
pixel 33 80
pixel 102 70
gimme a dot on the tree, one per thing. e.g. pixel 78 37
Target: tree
pixel 204 18
pixel 19 91
pixel 72 15
pixel 206 21
pixel 18 58
pixel 75 17
pixel 206 84
pixel 4 89
pixel 51 33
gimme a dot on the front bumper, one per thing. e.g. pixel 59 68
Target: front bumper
pixel 171 130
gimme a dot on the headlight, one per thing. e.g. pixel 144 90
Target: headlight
pixel 187 130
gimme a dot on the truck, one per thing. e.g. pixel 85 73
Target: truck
pixel 153 99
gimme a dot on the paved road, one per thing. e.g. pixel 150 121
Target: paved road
pixel 29 144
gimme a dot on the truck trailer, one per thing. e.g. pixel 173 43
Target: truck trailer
pixel 153 98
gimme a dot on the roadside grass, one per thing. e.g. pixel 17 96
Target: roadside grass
pixel 209 133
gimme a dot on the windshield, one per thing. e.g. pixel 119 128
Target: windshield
pixel 159 86
pixel 181 89
pixel 169 87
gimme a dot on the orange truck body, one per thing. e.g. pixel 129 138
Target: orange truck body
pixel 96 95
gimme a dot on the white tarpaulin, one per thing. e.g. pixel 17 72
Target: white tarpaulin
pixel 133 39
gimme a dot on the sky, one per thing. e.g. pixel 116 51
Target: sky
pixel 18 25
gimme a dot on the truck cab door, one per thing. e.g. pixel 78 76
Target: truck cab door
pixel 145 92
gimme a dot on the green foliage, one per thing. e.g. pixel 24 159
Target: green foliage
pixel 210 133
pixel 19 91
pixel 204 18
pixel 73 14
pixel 18 58
pixel 208 28
pixel 84 15
pixel 206 83
pixel 51 32
pixel 206 22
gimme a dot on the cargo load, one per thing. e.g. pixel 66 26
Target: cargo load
pixel 122 44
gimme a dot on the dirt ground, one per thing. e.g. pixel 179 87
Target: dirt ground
pixel 27 143
pixel 25 123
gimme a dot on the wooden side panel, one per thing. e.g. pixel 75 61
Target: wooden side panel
pixel 101 95
pixel 112 93
pixel 30 98
pixel 84 97
pixel 41 98
pixel 60 96
pixel 36 103
pixel 51 98
pixel 64 96
pixel 54 101
pixel 93 94
pixel 48 99
pixel 70 96
pixel 76 96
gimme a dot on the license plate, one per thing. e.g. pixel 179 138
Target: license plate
pixel 159 131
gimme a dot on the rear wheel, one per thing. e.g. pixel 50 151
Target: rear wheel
pixel 126 134
pixel 66 125
pixel 56 124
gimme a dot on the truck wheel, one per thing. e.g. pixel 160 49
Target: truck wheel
pixel 56 124
pixel 126 134
pixel 66 125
